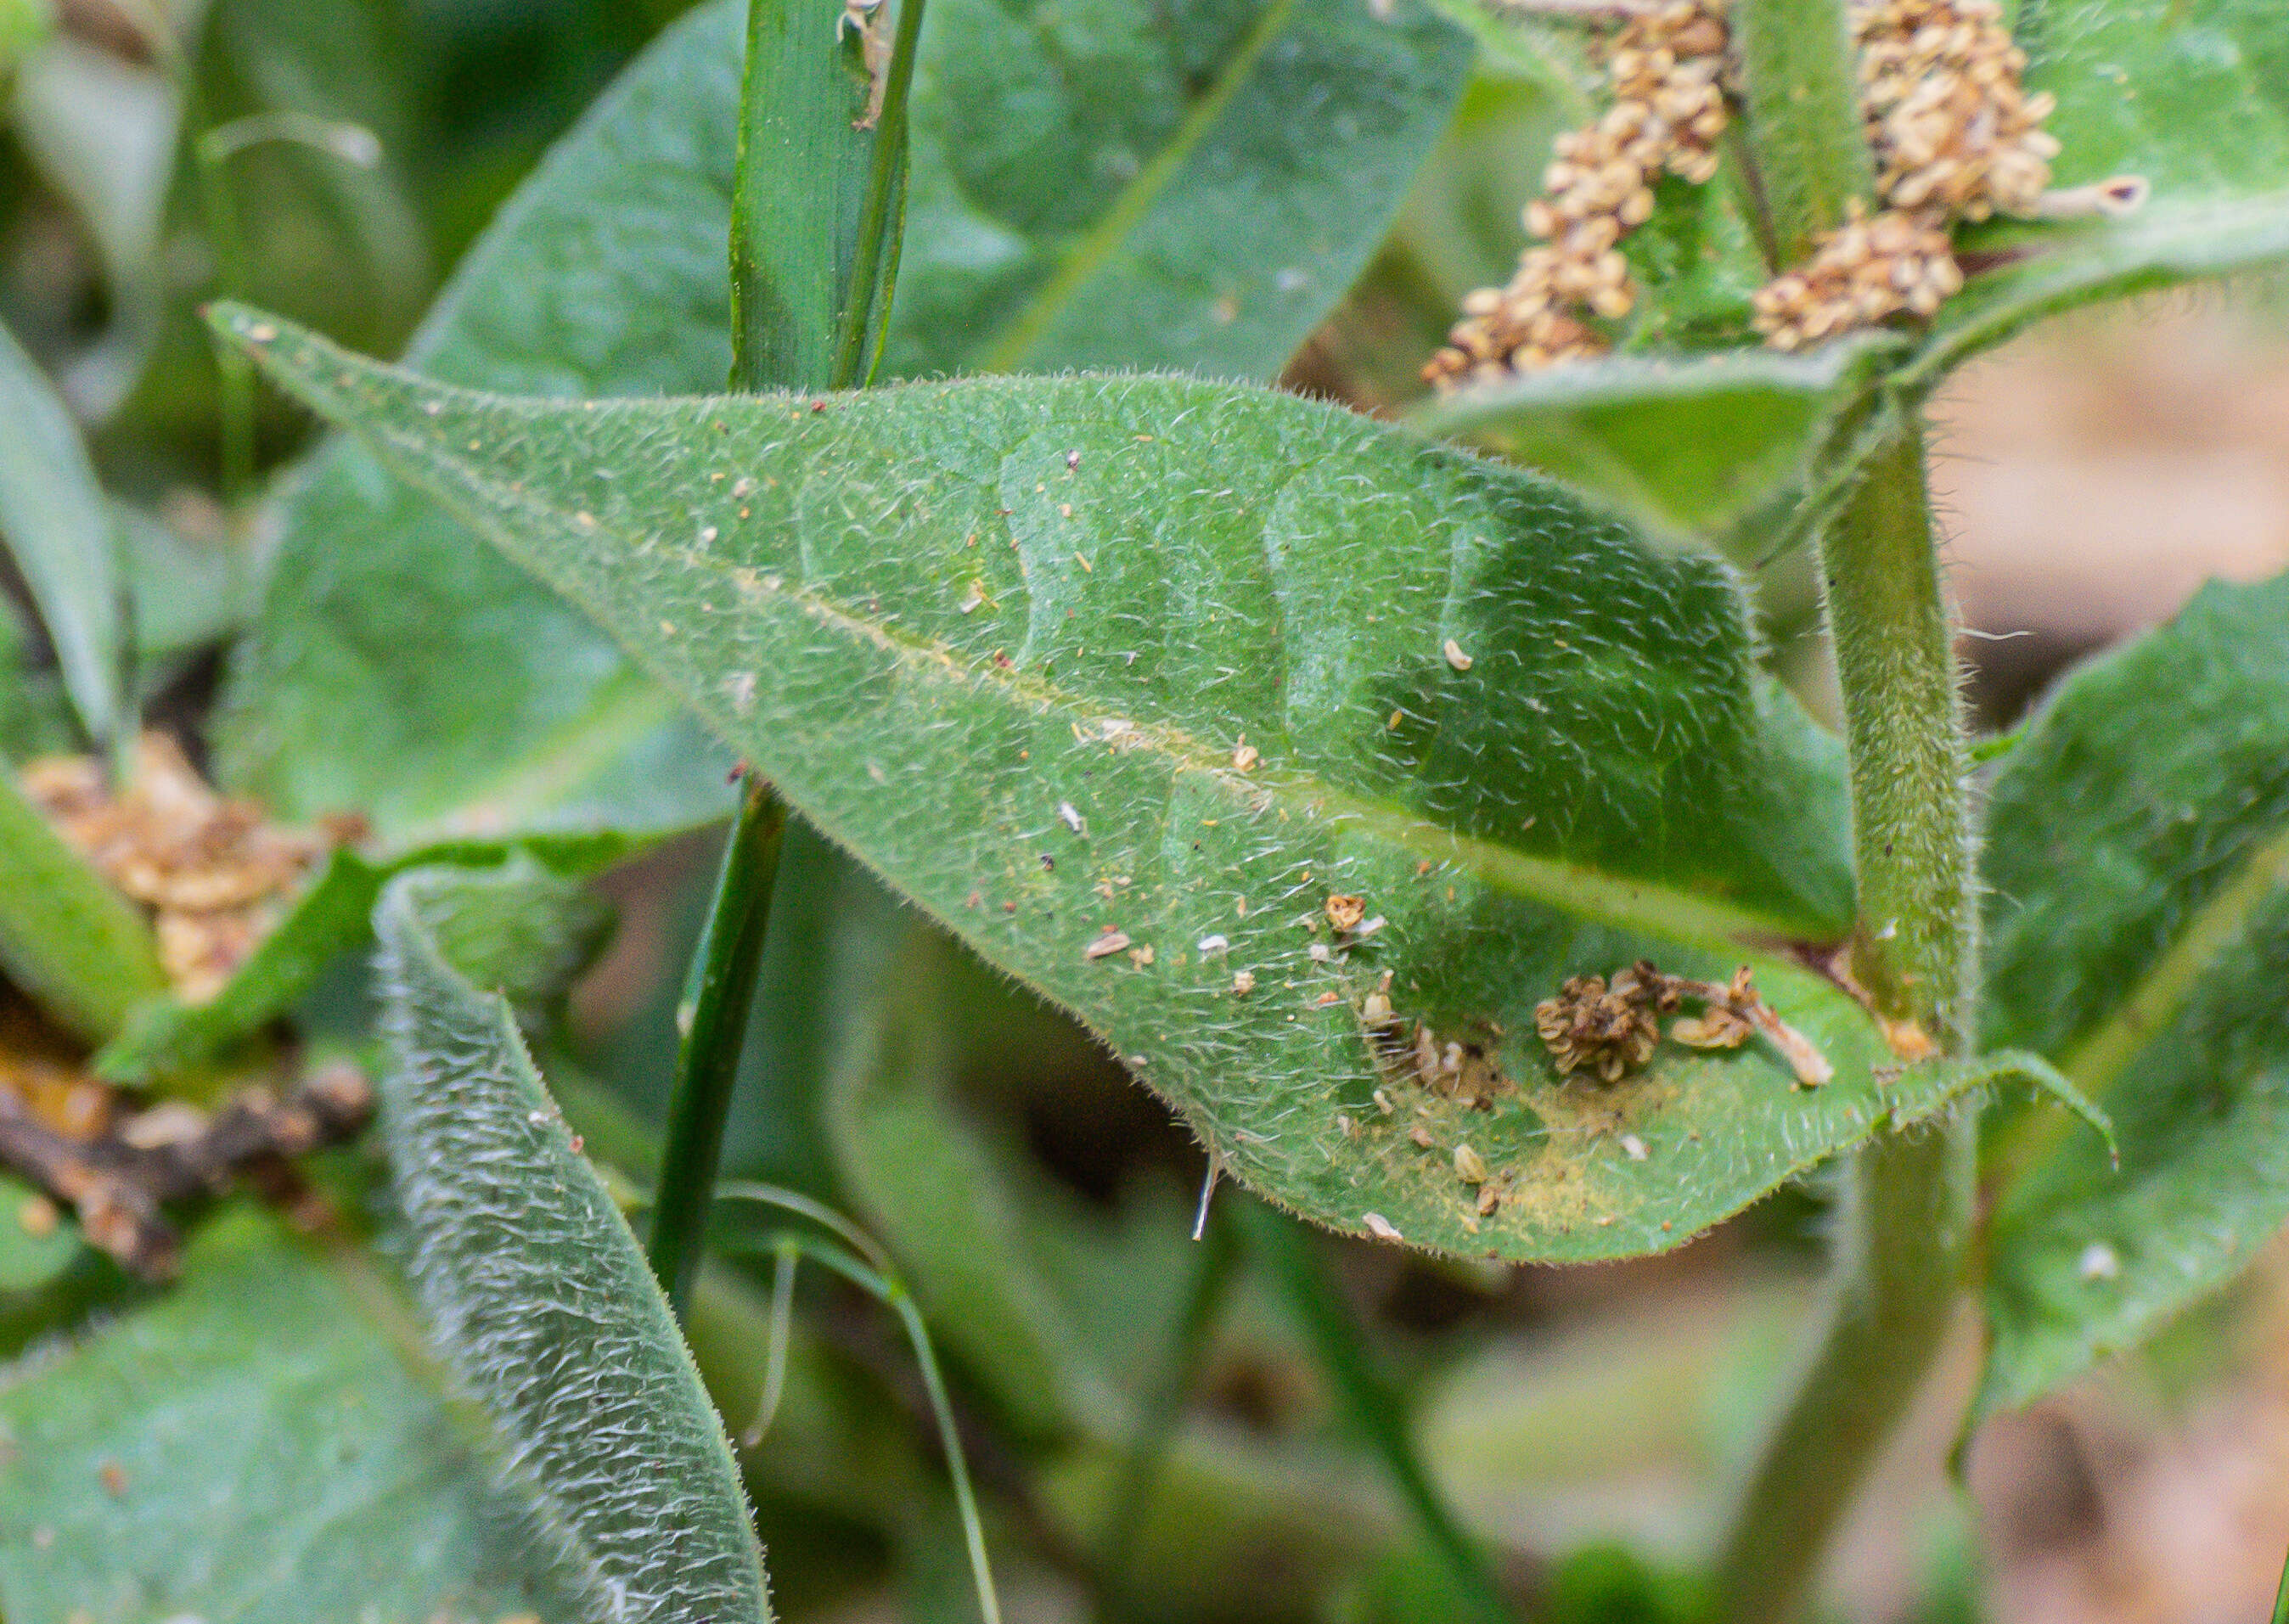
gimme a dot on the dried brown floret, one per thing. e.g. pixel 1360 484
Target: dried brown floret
pixel 1867 271
pixel 1589 1026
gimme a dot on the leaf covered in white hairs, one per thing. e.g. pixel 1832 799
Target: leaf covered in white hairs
pixel 536 1293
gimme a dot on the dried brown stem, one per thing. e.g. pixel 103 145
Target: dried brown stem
pixel 118 1183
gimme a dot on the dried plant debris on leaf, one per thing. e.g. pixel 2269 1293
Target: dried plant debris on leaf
pixel 215 875
pixel 1613 1028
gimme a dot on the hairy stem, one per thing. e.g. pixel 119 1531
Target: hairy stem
pixel 1906 1218
pixel 1800 88
pixel 714 1023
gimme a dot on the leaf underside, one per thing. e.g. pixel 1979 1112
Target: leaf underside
pixel 537 1295
pixel 1092 189
pixel 2138 865
pixel 1004 638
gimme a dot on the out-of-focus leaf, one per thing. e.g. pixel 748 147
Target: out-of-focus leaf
pixel 186 593
pixel 1003 639
pixel 537 1295
pixel 1122 219
pixel 331 917
pixel 2138 865
pixel 23 24
pixel 2192 98
pixel 1126 187
pixel 59 528
pixel 1680 447
pixel 102 133
pixel 270 1442
pixel 32 1251
pixel 67 938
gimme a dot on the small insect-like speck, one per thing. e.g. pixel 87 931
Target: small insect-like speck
pixel 1243 983
pixel 1071 818
pixel 2099 1261
pixel 1383 1103
pixel 1320 952
pixel 1107 944
pixel 1380 1227
pixel 1470 1166
pixel 1073 459
pixel 743 486
pixel 972 599
pixel 1245 756
pixel 1633 1147
pixel 1456 656
pixel 1208 945
pixel 1421 1135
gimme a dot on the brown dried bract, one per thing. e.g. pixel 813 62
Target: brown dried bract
pixel 1666 67
pixel 214 874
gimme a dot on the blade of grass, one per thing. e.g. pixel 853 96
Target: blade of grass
pixel 878 1279
pixel 1374 1403
pixel 819 199
pixel 714 1020
pixel 67 938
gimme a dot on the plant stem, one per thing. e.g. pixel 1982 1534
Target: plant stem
pixel 1906 1218
pixel 1374 1408
pixel 1179 1372
pixel 714 1022
pixel 1799 82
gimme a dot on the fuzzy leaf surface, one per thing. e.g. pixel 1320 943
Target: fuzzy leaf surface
pixel 269 1444
pixel 1109 179
pixel 537 1295
pixel 1684 447
pixel 2138 867
pixel 1003 637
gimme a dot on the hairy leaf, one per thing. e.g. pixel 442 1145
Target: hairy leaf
pixel 270 1444
pixel 1681 447
pixel 1080 660
pixel 1130 217
pixel 538 1295
pixel 60 530
pixel 2138 861
pixel 67 938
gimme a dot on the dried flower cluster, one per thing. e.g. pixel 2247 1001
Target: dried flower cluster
pixel 213 873
pixel 1613 1029
pixel 1666 67
pixel 1955 137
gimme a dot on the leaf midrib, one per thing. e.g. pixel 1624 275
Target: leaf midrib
pixel 1572 888
pixel 1090 255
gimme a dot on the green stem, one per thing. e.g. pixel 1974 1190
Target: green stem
pixel 1373 1404
pixel 714 1023
pixel 1907 1212
pixel 882 216
pixel 1800 87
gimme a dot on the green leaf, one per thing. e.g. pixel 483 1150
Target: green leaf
pixel 1096 175
pixel 2138 865
pixel 1003 639
pixel 537 1296
pixel 2193 98
pixel 67 938
pixel 1130 186
pixel 332 916
pixel 59 529
pixel 270 1444
pixel 29 1261
pixel 1678 446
